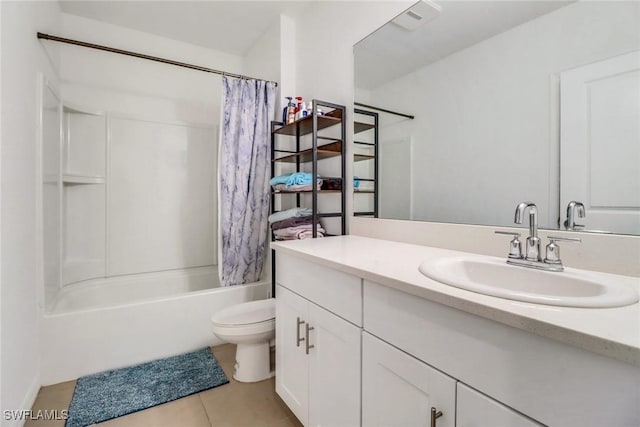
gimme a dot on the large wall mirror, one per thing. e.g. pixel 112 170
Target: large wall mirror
pixel 512 101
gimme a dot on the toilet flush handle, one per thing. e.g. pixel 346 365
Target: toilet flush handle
pixel 299 339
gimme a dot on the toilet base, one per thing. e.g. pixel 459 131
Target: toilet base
pixel 252 362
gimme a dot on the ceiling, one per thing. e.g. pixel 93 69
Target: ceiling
pixel 228 26
pixel 392 52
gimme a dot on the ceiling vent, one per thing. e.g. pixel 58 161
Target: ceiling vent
pixel 419 14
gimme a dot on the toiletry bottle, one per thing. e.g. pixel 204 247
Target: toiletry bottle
pixel 310 108
pixel 291 112
pixel 285 111
pixel 298 107
pixel 291 117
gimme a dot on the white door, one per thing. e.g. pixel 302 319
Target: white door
pixel 399 390
pixel 477 410
pixel 292 371
pixel 600 143
pixel 334 370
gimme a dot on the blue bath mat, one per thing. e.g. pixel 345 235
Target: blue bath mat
pixel 119 392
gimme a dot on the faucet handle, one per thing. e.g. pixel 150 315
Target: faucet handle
pixel 563 239
pixel 553 250
pixel 515 248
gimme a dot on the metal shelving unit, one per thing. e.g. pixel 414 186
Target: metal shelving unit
pixel 360 127
pixel 322 147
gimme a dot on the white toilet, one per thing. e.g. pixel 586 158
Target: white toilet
pixel 251 326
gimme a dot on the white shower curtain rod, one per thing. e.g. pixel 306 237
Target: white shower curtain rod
pixel 143 56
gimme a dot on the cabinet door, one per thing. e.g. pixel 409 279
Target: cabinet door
pixel 477 410
pixel 399 390
pixel 292 371
pixel 334 370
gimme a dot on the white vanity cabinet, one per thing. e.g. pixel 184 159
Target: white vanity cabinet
pixel 477 410
pixel 550 382
pixel 292 362
pixel 380 356
pixel 399 390
pixel 318 353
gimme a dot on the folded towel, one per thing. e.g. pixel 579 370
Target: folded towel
pixel 306 234
pixel 305 187
pixel 292 222
pixel 281 179
pixel 356 182
pixel 299 232
pixel 298 178
pixel 289 213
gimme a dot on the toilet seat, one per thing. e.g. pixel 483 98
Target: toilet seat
pixel 252 313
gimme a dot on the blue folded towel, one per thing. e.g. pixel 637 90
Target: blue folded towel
pixel 281 179
pixel 289 213
pixel 298 178
pixel 356 182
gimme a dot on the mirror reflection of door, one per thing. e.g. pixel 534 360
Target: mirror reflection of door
pixel 600 143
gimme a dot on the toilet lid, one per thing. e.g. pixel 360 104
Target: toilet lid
pixel 246 313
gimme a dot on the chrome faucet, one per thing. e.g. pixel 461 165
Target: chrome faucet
pixel 532 251
pixel 572 208
pixel 532 258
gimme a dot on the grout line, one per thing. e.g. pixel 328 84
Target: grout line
pixel 204 409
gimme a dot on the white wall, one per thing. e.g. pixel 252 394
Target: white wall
pixel 487 117
pixel 324 37
pixel 23 56
pixel 262 60
pixel 137 86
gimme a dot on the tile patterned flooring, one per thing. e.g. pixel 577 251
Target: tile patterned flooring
pixel 234 405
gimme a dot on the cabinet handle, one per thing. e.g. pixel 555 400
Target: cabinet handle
pixel 298 339
pixel 435 414
pixel 309 346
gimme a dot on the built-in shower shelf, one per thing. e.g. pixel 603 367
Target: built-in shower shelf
pixel 72 179
pixel 70 108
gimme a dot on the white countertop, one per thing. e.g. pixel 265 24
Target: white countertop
pixel 612 332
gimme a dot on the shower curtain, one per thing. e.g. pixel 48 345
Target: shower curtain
pixel 245 167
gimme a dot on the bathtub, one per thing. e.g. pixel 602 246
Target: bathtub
pixel 110 323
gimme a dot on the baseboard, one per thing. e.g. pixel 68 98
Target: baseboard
pixel 27 403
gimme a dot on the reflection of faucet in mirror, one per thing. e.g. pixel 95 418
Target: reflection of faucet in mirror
pixel 532 252
pixel 572 208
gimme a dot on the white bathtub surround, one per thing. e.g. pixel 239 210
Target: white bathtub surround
pixel 248 108
pixel 421 344
pixel 128 289
pixel 612 332
pixel 130 320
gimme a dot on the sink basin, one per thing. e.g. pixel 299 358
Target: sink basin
pixel 492 276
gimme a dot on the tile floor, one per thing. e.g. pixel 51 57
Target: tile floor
pixel 233 404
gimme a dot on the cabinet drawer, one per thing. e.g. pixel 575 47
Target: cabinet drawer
pixel 338 292
pixel 552 382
